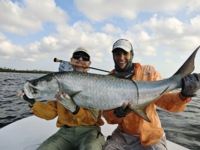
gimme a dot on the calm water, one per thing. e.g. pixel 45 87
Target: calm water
pixel 182 128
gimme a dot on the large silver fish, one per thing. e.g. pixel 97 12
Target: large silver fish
pixel 105 91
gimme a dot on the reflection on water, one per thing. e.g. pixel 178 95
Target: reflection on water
pixel 182 128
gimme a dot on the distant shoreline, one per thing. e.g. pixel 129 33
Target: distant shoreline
pixel 24 71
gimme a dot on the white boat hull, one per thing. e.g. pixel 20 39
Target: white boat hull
pixel 29 133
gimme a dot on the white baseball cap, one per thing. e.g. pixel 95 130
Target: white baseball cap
pixel 123 44
pixel 81 49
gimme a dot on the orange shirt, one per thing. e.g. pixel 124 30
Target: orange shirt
pixel 53 109
pixel 150 132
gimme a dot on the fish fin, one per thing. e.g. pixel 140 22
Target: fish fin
pixel 73 94
pixel 94 112
pixel 188 66
pixel 164 91
pixel 141 112
pixel 59 83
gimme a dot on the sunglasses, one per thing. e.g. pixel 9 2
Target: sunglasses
pixel 77 56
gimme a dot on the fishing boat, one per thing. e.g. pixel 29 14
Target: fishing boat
pixel 30 132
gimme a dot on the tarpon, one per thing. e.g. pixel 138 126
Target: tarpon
pixel 106 92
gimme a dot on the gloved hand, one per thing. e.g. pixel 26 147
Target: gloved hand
pixel 190 84
pixel 25 98
pixel 123 110
pixel 67 102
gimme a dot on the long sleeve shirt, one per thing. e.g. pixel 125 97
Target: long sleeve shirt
pixel 52 109
pixel 149 132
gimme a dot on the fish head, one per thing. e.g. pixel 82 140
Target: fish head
pixel 40 89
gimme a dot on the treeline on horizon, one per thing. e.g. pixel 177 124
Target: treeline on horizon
pixel 24 71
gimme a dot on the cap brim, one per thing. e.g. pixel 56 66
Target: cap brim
pixel 80 49
pixel 84 52
pixel 122 47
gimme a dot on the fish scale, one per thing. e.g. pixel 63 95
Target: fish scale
pixel 111 88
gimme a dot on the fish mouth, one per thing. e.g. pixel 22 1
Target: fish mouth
pixel 28 90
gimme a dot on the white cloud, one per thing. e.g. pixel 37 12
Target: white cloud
pixel 164 26
pixel 168 53
pixel 137 59
pixel 173 34
pixel 184 57
pixel 2 37
pixel 65 42
pixel 94 41
pixel 149 51
pixel 29 59
pixel 50 43
pixel 97 59
pixel 83 26
pixel 193 5
pixel 7 48
pixel 34 48
pixel 168 61
pixel 195 23
pixel 109 28
pixel 29 17
pixel 102 10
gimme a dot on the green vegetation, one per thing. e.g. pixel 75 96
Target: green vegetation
pixel 24 71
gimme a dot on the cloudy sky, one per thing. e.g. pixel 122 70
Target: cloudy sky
pixel 34 32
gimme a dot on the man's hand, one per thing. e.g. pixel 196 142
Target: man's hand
pixel 123 110
pixel 67 102
pixel 190 84
pixel 26 99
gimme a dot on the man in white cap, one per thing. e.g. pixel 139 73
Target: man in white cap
pixel 81 56
pixel 133 132
pixel 79 127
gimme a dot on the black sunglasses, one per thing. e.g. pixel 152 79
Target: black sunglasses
pixel 77 56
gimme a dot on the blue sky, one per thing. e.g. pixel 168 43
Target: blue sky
pixel 34 32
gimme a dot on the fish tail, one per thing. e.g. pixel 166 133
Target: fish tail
pixel 184 70
pixel 188 66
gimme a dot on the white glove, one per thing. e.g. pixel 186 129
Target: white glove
pixel 67 102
